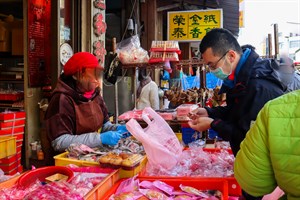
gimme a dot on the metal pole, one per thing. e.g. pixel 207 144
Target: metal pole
pixel 134 86
pixel 116 103
pixel 114 47
pixel 276 42
pixel 270 45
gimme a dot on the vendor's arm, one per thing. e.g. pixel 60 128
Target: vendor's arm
pixel 219 112
pixel 64 141
pixel 90 139
pixel 257 95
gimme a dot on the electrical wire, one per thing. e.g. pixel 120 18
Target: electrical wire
pixel 131 13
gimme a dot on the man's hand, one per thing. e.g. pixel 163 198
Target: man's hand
pixel 199 112
pixel 201 123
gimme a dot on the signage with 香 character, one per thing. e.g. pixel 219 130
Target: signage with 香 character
pixel 193 25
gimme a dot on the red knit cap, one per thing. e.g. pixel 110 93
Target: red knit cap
pixel 80 60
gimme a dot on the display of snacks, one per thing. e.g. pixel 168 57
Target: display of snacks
pixel 123 160
pixel 156 57
pixel 193 95
pixel 149 188
pixel 165 46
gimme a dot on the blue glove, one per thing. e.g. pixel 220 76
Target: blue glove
pixel 111 137
pixel 123 130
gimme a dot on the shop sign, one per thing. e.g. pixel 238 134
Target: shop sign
pixel 193 25
pixel 66 52
pixel 65 33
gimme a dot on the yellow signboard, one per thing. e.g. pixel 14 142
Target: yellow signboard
pixel 193 25
pixel 241 13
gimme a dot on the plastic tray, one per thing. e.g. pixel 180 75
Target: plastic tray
pixel 11 97
pixel 10 124
pixel 104 186
pixel 201 184
pixel 10 182
pixel 96 193
pixel 12 130
pixel 9 159
pixel 62 160
pixel 7 146
pixel 41 173
pixel 234 188
pixel 8 116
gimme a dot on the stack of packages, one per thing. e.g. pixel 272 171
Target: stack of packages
pixel 11 134
pixel 163 51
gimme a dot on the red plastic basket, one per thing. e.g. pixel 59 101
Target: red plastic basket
pixel 201 184
pixel 41 173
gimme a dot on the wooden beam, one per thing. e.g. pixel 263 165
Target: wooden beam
pixel 168 7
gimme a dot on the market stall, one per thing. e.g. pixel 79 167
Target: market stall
pixel 160 148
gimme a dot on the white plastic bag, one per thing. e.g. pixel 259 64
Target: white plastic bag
pixel 130 51
pixel 160 142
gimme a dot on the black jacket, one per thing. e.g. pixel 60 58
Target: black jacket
pixel 256 83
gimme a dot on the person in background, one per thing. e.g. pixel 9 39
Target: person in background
pixel 285 70
pixel 288 74
pixel 77 112
pixel 147 92
pixel 269 155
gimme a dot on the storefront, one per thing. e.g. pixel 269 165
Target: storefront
pixel 45 34
pixel 37 37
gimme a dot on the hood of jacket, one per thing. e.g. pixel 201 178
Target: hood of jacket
pixel 256 68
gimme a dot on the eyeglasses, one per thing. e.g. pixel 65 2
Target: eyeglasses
pixel 213 66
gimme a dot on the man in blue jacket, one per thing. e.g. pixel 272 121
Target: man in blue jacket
pixel 248 81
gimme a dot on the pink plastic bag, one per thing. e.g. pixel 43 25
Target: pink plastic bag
pixel 160 142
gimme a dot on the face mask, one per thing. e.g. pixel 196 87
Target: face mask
pixel 219 73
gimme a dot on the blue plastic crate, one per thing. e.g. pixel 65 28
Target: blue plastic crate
pixel 213 134
pixel 189 135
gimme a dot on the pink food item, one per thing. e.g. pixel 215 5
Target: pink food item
pixel 132 114
pixel 154 195
pixel 164 187
pixel 167 115
pixel 194 191
pixel 185 109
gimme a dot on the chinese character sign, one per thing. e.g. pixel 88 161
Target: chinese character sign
pixel 193 25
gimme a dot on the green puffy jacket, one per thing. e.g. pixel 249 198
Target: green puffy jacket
pixel 270 153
